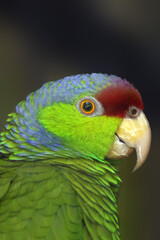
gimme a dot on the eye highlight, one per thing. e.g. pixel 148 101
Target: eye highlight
pixel 89 106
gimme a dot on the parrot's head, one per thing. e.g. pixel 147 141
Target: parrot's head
pixel 89 116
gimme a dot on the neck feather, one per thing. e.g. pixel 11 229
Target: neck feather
pixel 96 185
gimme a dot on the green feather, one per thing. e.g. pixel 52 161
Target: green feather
pixel 59 186
pixel 48 200
pixel 72 133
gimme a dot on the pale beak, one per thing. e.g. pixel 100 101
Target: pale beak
pixel 132 134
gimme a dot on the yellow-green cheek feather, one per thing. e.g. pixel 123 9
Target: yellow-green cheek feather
pixel 92 137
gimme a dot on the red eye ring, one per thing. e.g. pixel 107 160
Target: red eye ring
pixel 87 106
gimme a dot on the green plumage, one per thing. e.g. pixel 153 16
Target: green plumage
pixel 55 182
pixel 55 200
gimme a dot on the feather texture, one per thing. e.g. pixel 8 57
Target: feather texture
pixel 55 180
pixel 49 200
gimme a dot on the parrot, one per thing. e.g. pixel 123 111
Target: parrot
pixel 59 152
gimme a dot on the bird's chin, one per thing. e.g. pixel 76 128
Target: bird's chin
pixel 119 149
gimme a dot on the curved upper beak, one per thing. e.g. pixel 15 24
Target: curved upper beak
pixel 132 134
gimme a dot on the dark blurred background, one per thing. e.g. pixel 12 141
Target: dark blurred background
pixel 49 40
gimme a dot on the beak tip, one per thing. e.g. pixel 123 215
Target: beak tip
pixel 143 149
pixel 138 165
pixel 135 168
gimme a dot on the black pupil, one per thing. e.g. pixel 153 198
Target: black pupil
pixel 87 106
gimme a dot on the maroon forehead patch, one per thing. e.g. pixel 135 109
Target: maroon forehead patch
pixel 117 99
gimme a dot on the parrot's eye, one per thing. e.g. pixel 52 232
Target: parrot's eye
pixel 133 112
pixel 89 106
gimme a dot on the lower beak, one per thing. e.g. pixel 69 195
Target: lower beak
pixel 132 134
